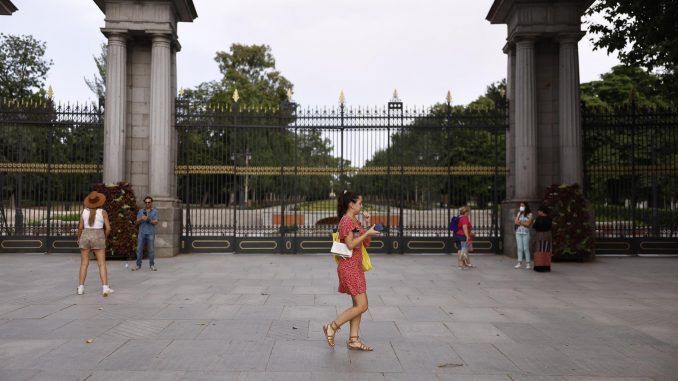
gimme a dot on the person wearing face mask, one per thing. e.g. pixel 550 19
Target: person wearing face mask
pixel 523 222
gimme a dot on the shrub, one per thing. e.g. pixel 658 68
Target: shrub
pixel 121 206
pixel 573 230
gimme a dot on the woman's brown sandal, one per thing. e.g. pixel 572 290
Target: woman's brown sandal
pixel 360 347
pixel 330 338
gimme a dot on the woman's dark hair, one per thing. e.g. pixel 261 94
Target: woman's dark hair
pixel 543 209
pixel 527 207
pixel 92 216
pixel 343 200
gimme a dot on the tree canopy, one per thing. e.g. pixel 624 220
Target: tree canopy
pixel 642 33
pixel 622 84
pixel 98 82
pixel 23 67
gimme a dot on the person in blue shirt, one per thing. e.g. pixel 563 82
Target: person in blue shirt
pixel 147 218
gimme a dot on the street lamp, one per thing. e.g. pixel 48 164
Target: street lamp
pixel 248 157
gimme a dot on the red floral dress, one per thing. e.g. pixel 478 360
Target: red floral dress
pixel 350 270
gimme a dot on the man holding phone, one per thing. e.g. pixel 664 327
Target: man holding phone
pixel 147 218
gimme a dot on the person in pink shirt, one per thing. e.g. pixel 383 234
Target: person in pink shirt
pixel 464 237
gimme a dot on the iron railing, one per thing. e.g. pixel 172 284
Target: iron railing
pixel 631 172
pixel 50 156
pixel 275 173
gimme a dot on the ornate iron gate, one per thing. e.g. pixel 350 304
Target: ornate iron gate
pixel 265 180
pixel 631 178
pixel 50 156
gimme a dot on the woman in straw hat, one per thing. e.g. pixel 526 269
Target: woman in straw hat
pixel 92 232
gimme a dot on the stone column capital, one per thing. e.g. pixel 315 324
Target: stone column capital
pixel 508 48
pixel 570 38
pixel 160 37
pixel 118 35
pixel 525 39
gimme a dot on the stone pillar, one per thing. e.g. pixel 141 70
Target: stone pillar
pixel 115 111
pixel 569 117
pixel 151 87
pixel 510 51
pixel 161 169
pixel 544 137
pixel 525 121
pixel 161 113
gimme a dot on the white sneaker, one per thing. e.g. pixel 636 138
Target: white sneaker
pixel 527 266
pixel 517 266
pixel 81 290
pixel 107 291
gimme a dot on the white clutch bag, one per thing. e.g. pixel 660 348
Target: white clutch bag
pixel 341 249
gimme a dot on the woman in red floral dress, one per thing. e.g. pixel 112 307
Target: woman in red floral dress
pixel 350 271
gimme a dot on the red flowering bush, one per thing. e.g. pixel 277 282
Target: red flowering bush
pixel 121 206
pixel 573 231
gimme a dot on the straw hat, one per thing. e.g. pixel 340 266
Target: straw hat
pixel 94 200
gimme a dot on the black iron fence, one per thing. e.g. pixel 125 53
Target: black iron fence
pixel 266 179
pixel 50 156
pixel 255 179
pixel 631 177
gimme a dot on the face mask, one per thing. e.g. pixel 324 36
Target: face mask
pixel 522 208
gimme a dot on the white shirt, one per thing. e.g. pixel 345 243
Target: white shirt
pixel 98 219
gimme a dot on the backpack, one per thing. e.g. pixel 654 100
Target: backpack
pixel 454 224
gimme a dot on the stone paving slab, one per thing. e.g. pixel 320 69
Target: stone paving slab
pixel 259 317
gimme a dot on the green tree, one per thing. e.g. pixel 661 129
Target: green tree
pixel 259 139
pixel 623 83
pixel 98 82
pixel 643 33
pixel 251 70
pixel 23 68
pixel 444 136
pixel 495 95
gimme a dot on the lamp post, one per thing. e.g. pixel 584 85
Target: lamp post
pixel 436 157
pixel 247 155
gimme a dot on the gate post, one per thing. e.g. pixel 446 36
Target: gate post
pixel 544 138
pixel 140 139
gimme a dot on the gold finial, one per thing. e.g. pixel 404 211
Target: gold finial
pixel 448 98
pixel 236 96
pixel 50 92
pixel 342 98
pixel 289 95
pixel 396 97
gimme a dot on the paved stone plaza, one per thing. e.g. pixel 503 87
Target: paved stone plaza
pixel 258 317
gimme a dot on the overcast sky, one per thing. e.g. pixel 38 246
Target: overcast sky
pixel 365 47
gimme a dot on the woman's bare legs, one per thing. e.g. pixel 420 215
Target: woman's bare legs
pixel 354 332
pixel 352 314
pixel 101 261
pixel 355 322
pixel 467 260
pixel 84 263
pixel 460 259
